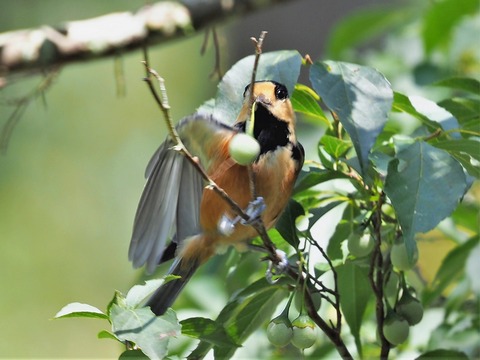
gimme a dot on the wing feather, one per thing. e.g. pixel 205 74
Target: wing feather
pixel 172 195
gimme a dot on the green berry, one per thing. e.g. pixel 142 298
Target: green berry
pixel 244 149
pixel 279 333
pixel 360 244
pixel 304 332
pixel 395 329
pixel 410 309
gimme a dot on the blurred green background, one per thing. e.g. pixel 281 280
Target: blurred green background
pixel 73 173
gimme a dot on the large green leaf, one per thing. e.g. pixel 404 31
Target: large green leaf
pixel 282 66
pixel 360 96
pixel 424 185
pixel 140 326
pixel 355 292
pixel 441 19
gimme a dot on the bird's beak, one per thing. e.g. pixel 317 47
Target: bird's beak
pixel 263 100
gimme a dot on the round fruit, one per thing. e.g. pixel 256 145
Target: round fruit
pixel 360 245
pixel 410 309
pixel 400 258
pixel 395 329
pixel 279 333
pixel 304 332
pixel 244 149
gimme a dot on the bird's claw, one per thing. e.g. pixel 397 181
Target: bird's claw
pixel 277 268
pixel 254 209
pixel 226 226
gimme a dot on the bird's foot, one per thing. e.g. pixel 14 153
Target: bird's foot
pixel 255 208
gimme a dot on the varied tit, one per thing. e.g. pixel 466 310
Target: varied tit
pixel 175 200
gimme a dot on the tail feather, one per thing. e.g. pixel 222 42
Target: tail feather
pixel 166 294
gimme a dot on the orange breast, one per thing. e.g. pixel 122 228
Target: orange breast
pixel 274 178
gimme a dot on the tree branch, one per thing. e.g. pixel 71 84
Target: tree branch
pixel 107 35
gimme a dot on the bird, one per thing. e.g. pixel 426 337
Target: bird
pixel 176 204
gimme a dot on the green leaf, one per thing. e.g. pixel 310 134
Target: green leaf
pixel 429 113
pixel 467 112
pixel 401 103
pixel 104 334
pixel 149 332
pixel 315 176
pixel 249 316
pixel 207 330
pixel 446 354
pixel 434 112
pixel 364 25
pixel 424 185
pixel 282 66
pixel 452 267
pixel 334 146
pixel 245 311
pixel 286 224
pixel 441 18
pixel 355 292
pixel 360 96
pixel 305 101
pixel 472 168
pixel 461 83
pixel 77 309
pixel 470 147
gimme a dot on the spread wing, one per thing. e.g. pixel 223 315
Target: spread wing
pixel 170 202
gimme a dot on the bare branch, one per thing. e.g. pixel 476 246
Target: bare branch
pixel 21 105
pixel 111 34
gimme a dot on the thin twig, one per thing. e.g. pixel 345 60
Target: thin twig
pixel 22 104
pixel 216 45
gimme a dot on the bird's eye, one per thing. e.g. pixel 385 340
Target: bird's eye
pixel 281 92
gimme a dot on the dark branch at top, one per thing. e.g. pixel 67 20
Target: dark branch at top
pixel 40 48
